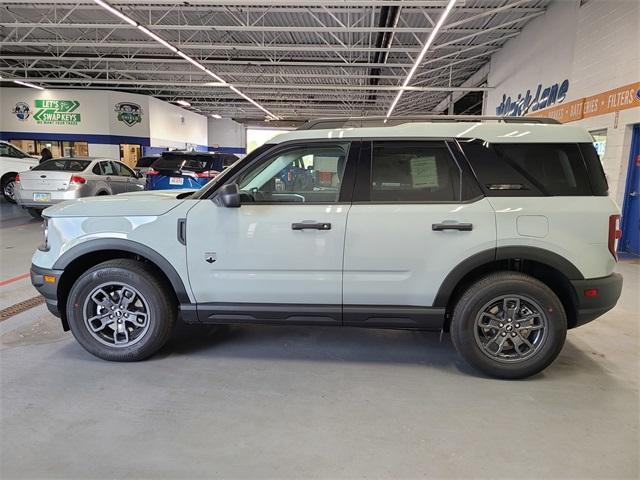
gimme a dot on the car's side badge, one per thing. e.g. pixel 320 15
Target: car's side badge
pixel 210 257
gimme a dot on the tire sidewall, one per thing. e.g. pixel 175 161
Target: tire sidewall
pixel 9 179
pixel 152 339
pixel 470 306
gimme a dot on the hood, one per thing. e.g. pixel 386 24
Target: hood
pixel 124 205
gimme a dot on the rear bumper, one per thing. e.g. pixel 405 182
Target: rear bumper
pixel 608 292
pixel 24 198
pixel 46 287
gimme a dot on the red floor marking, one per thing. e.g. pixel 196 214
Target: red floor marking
pixel 14 279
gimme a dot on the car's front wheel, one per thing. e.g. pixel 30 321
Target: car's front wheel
pixel 9 188
pixel 509 325
pixel 120 310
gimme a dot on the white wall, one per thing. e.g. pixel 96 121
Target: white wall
pixel 596 46
pixel 172 126
pixel 226 133
pixel 104 150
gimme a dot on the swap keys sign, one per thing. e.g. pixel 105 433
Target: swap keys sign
pixel 57 112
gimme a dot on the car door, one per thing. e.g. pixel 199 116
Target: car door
pixel 101 177
pixel 416 215
pixel 119 182
pixel 279 256
pixel 132 182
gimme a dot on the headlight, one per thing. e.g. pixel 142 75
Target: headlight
pixel 45 233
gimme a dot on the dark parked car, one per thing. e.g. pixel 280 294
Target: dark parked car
pixel 186 169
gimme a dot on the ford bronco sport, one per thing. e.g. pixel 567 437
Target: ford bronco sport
pixel 497 230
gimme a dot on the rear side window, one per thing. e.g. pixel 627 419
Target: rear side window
pixel 529 169
pixel 597 177
pixel 413 172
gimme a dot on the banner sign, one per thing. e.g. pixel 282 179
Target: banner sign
pixel 57 112
pixel 620 98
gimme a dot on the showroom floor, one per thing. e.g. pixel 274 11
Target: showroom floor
pixel 307 402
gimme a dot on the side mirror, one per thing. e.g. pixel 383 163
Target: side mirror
pixel 228 196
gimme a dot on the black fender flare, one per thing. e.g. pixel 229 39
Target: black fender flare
pixel 535 254
pixel 129 246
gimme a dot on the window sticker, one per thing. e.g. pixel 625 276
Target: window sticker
pixel 424 172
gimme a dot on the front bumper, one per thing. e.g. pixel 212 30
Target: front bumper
pixel 46 280
pixel 591 307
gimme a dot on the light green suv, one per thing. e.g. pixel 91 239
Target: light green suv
pixel 499 231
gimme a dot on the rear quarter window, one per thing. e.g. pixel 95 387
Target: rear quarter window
pixel 529 169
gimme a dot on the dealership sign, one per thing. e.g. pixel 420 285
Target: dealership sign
pixel 22 111
pixel 129 113
pixel 57 112
pixel 527 103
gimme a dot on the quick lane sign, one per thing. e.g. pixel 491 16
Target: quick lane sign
pixel 528 103
pixel 57 112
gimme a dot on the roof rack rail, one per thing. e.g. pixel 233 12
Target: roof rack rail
pixel 381 121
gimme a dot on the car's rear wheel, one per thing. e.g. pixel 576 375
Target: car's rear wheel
pixel 9 188
pixel 119 310
pixel 509 325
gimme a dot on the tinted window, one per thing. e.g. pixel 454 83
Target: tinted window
pixel 597 177
pixel 63 165
pixel 556 169
pixel 186 161
pixel 299 175
pixel 413 172
pixel 528 169
pixel 145 162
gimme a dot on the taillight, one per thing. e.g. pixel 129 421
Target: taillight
pixel 77 179
pixel 151 171
pixel 17 178
pixel 208 174
pixel 614 234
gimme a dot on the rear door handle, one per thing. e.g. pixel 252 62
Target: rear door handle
pixel 464 227
pixel 307 225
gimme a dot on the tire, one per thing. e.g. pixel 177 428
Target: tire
pixel 497 314
pixel 35 212
pixel 9 188
pixel 139 336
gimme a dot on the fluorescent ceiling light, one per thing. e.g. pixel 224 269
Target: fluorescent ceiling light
pixel 157 38
pixel 423 52
pixel 215 115
pixel 27 84
pixel 116 12
pixel 174 49
pixel 184 103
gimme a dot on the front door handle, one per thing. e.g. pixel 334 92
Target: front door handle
pixel 310 225
pixel 463 227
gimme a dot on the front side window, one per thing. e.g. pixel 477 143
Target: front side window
pixel 306 174
pixel 405 171
pixel 122 170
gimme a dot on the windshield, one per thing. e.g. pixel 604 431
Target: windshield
pixel 66 165
pixel 230 171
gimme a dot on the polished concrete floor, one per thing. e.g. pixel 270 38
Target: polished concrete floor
pixel 260 402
